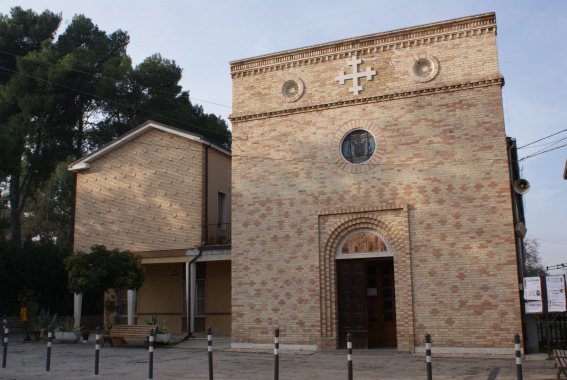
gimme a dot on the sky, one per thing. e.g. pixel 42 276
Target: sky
pixel 202 37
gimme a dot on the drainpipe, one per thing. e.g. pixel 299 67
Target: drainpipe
pixel 190 270
pixel 190 275
pixel 514 175
pixel 206 235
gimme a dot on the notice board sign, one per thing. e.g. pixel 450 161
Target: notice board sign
pixel 532 295
pixel 555 294
pixel 547 296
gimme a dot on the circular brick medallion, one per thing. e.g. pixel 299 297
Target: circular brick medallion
pixel 425 69
pixel 293 89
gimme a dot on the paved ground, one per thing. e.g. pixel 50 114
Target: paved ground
pixel 189 360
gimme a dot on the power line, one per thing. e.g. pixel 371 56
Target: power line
pixel 549 143
pixel 192 125
pixel 109 78
pixel 200 128
pixel 114 101
pixel 545 151
pixel 547 241
pixel 546 137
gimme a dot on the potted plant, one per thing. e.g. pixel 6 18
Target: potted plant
pixel 35 332
pixel 67 331
pixel 111 317
pixel 45 323
pixel 85 335
pixel 162 336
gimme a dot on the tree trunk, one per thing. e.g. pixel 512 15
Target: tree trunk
pixel 78 154
pixel 71 235
pixel 15 209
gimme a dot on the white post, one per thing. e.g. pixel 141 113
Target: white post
pixel 192 277
pixel 187 299
pixel 77 306
pixel 131 305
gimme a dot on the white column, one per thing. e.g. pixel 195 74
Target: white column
pixel 131 306
pixel 77 306
pixel 187 298
pixel 192 278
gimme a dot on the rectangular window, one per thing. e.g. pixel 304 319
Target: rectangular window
pixel 221 210
pixel 122 303
pixel 200 298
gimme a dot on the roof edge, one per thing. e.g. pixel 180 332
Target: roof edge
pixel 84 162
pixel 457 24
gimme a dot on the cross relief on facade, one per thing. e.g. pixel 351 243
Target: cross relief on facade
pixel 356 88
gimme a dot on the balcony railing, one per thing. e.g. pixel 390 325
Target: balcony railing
pixel 219 234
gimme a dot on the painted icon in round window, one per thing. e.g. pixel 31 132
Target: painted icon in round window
pixel 358 146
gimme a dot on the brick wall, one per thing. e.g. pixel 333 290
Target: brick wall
pixel 440 192
pixel 144 196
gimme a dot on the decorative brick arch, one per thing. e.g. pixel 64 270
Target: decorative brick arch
pixel 391 224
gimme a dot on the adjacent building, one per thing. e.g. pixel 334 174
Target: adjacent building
pixel 164 194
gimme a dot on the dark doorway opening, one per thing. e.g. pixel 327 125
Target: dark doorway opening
pixel 366 302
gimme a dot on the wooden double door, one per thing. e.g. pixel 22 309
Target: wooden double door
pixel 366 302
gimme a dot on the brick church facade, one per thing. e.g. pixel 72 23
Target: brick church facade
pixel 371 194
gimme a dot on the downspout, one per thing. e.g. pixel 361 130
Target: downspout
pixel 514 175
pixel 206 234
pixel 190 291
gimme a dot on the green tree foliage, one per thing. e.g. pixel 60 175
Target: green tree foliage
pixel 36 267
pixel 532 258
pixel 61 92
pixel 50 207
pixel 23 33
pixel 152 92
pixel 102 269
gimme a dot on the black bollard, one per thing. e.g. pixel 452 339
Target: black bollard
pixel 97 351
pixel 210 349
pixel 48 359
pixel 277 354
pixel 151 351
pixel 518 348
pixel 349 355
pixel 5 344
pixel 428 356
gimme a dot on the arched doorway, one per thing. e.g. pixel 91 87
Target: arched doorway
pixel 366 290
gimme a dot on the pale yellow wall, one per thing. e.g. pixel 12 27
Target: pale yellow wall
pixel 143 196
pixel 161 295
pixel 218 297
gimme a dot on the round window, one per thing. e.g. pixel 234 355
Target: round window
pixel 358 146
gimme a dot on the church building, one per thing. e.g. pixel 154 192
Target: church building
pixel 371 194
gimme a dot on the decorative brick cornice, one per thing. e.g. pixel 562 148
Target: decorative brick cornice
pixel 424 35
pixel 361 209
pixel 498 81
